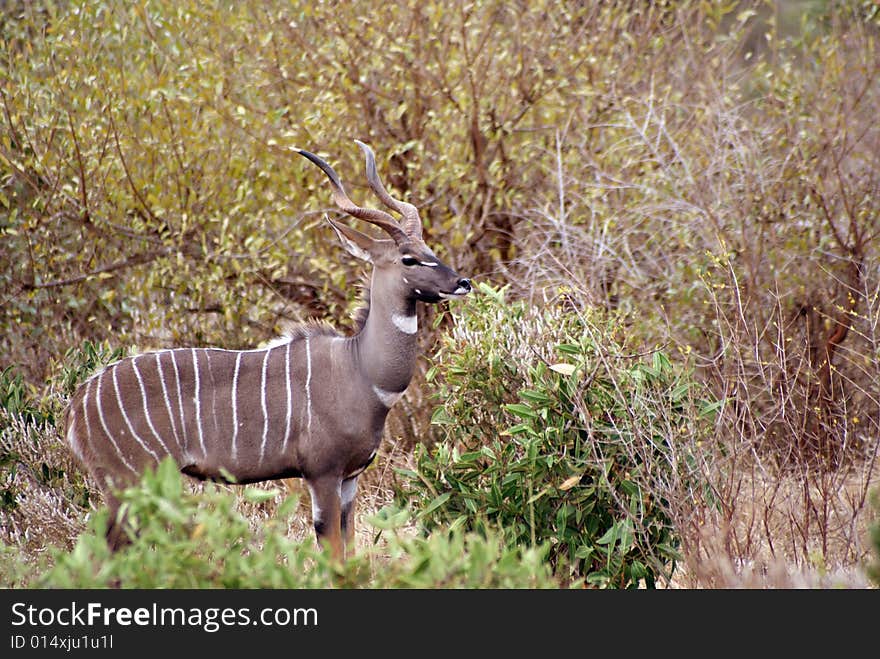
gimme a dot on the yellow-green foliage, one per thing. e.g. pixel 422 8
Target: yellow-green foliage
pixel 707 169
pixel 150 189
pixel 685 161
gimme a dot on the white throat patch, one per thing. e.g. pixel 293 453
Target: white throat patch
pixel 406 324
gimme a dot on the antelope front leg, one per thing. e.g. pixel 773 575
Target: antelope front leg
pixel 347 494
pixel 327 514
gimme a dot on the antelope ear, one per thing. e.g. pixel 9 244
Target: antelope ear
pixel 357 244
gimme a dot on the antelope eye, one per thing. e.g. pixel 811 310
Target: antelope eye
pixel 409 260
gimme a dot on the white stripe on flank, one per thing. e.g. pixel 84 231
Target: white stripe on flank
pixel 72 440
pixel 388 398
pixel 167 399
pixel 308 387
pixel 107 430
pixel 140 380
pixel 131 429
pixel 289 398
pixel 213 390
pixel 406 324
pixel 265 411
pixel 180 401
pixel 197 399
pixel 235 408
pixel 86 412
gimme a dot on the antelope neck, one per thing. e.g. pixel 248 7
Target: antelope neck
pixel 386 346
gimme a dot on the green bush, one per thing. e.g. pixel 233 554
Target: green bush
pixel 18 399
pixel 181 540
pixel 31 405
pixel 38 480
pixel 188 540
pixel 454 558
pixel 81 362
pixel 558 432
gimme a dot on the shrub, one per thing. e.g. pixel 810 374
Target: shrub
pixel 556 430
pixel 182 540
pixel 80 362
pixel 23 402
pixel 19 400
pixel 186 540
pixel 451 557
pixel 43 494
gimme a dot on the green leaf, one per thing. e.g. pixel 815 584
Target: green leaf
pixel 257 495
pixel 661 363
pixel 609 537
pixel 708 410
pixel 534 396
pixel 435 504
pixel 584 552
pixel 441 417
pixel 539 495
pixel 522 411
pixel 680 391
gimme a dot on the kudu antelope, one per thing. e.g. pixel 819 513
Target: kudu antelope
pixel 310 405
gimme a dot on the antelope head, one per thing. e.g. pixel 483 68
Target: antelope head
pixel 403 262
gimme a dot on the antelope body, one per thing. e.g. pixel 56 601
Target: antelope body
pixel 311 405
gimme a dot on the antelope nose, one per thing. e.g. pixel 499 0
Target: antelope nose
pixel 464 285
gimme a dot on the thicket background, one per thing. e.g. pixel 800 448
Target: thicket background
pixel 705 175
